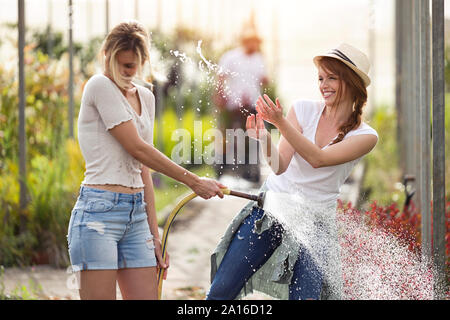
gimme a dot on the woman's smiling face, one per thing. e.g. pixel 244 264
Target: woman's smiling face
pixel 330 85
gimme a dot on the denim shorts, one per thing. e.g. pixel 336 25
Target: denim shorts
pixel 109 230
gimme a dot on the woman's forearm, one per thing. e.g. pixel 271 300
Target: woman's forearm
pixel 305 148
pixel 153 158
pixel 277 160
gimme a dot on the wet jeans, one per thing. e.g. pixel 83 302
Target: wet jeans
pixel 248 251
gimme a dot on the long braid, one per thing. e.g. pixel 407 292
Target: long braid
pixel 353 122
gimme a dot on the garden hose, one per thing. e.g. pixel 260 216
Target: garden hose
pixel 259 199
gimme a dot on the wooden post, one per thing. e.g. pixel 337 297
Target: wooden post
pixel 106 17
pixel 438 148
pixel 22 133
pixel 425 127
pixel 71 103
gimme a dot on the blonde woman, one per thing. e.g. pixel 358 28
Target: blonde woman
pixel 113 232
pixel 321 142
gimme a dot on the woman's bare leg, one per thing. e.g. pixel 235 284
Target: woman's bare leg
pixel 98 285
pixel 138 283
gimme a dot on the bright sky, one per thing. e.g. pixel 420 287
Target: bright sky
pixel 294 30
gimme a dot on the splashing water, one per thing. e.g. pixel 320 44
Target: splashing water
pixel 181 55
pixel 208 69
pixel 370 264
pixel 211 66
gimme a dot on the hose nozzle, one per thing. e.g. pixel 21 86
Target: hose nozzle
pixel 258 198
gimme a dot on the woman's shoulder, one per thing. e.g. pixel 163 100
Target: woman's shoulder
pixel 98 78
pixel 306 111
pixel 306 103
pixel 98 82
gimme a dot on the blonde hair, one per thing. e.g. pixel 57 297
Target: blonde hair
pixel 129 35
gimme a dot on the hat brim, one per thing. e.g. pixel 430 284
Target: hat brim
pixel 251 37
pixel 361 74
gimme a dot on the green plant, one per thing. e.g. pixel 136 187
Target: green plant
pixel 52 199
pixel 383 173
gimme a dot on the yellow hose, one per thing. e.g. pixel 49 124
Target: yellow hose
pixel 167 226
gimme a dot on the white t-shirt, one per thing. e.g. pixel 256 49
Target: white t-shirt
pixel 103 106
pixel 244 74
pixel 317 184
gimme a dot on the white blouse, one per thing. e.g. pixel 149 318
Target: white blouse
pixel 317 184
pixel 103 106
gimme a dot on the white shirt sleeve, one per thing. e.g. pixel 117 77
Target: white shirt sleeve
pixel 100 94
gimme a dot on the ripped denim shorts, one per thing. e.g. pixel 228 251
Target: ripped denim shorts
pixel 109 230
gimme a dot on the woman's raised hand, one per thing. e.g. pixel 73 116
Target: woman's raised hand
pixel 269 111
pixel 255 127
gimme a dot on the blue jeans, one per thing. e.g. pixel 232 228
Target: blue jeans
pixel 248 251
pixel 109 231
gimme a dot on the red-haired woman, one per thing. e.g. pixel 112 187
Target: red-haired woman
pixel 321 142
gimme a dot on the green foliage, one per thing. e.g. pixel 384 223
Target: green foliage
pixel 52 43
pixel 383 173
pixel 447 68
pixel 383 177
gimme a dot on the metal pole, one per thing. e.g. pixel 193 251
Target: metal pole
pixel 136 10
pixel 158 15
pixel 399 87
pixel 179 16
pixel 408 87
pixel 49 28
pixel 22 133
pixel 416 102
pixel 106 17
pixel 372 49
pixel 438 148
pixel 425 127
pixel 70 70
pixel 275 40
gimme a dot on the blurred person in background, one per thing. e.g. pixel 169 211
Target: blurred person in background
pixel 113 230
pixel 242 76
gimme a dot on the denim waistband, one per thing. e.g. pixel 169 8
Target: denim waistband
pixel 115 197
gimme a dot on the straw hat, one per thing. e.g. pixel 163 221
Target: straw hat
pixel 353 58
pixel 249 30
pixel 250 35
